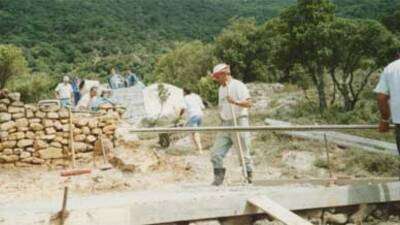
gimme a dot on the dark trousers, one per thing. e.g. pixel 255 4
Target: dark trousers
pixel 397 132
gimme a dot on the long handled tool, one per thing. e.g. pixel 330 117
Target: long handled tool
pixel 238 140
pixel 105 166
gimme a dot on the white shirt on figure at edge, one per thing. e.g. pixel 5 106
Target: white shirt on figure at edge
pixel 239 92
pixel 194 105
pixel 389 84
pixel 64 90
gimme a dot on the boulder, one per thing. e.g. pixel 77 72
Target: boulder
pixel 17 136
pixel 9 144
pixel 5 101
pixel 9 158
pixel 109 129
pixel 18 115
pixel 37 160
pixel 85 130
pixel 53 115
pixel 31 150
pixel 35 120
pixel 80 147
pixel 40 144
pixel 24 155
pixel 23 129
pixel 14 96
pixel 49 108
pixel 36 126
pixel 3 108
pixel 25 143
pixel 8 151
pixel 96 131
pixel 58 125
pixel 5 117
pixel 31 107
pixel 338 218
pixel 56 144
pixel 23 122
pixel 80 122
pixel 63 113
pixel 13 109
pixel 7 126
pixel 49 137
pixel 93 123
pixel 3 135
pixel 30 135
pixel 29 114
pixel 51 153
pixel 48 123
pixel 40 114
pixel 17 104
pixel 50 130
pixel 80 138
pixel 91 139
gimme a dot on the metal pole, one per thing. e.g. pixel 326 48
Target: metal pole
pixel 257 128
pixel 327 156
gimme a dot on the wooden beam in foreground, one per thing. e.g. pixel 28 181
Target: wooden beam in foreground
pixel 277 211
pixel 221 203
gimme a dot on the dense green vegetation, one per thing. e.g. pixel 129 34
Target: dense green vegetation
pixel 88 37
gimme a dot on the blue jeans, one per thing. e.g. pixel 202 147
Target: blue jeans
pixel 225 140
pixel 194 121
pixel 65 102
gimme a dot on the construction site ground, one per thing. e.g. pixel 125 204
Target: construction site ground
pixel 143 165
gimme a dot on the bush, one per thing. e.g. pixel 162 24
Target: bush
pixel 208 89
pixel 33 87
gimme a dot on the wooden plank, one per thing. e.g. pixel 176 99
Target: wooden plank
pixel 367 144
pixel 277 211
pixel 197 202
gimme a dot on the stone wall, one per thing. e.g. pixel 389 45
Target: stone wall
pixel 33 134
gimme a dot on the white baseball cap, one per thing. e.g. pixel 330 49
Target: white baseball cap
pixel 221 67
pixel 65 78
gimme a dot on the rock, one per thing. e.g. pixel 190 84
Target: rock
pixel 91 138
pixel 36 126
pixel 37 160
pixel 5 117
pixel 13 109
pixel 362 213
pixel 17 151
pixel 80 122
pixel 40 114
pixel 64 121
pixel 109 129
pixel 7 126
pixel 9 144
pixel 5 101
pixel 80 138
pixel 17 104
pixel 86 130
pixel 51 153
pixel 15 96
pixel 31 107
pixel 299 160
pixel 35 120
pixel 8 151
pixel 25 143
pixel 52 115
pixel 96 131
pixel 31 150
pixel 58 125
pixel 24 155
pixel 93 123
pixel 23 129
pixel 3 135
pixel 30 135
pixel 64 141
pixel 77 131
pixel 56 144
pixel 9 158
pixel 49 137
pixel 18 115
pixel 65 127
pixel 48 123
pixel 49 107
pixel 3 108
pixel 80 147
pixel 29 114
pixel 22 164
pixel 338 218
pixel 63 113
pixel 23 122
pixel 17 136
pixel 50 130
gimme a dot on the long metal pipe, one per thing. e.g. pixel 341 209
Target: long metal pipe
pixel 257 128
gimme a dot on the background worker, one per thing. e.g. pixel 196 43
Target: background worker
pixel 388 90
pixel 194 108
pixel 64 92
pixel 88 101
pixel 232 93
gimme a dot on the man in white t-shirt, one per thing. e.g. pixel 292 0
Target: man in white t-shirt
pixel 194 109
pixel 233 102
pixel 64 92
pixel 388 90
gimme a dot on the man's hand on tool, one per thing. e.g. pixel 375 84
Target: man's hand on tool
pixel 231 100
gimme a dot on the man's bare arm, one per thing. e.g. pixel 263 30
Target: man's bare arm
pixel 384 108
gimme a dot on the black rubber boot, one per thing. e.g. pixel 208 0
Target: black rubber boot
pixel 250 177
pixel 219 176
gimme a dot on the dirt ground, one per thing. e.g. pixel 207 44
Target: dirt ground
pixel 145 165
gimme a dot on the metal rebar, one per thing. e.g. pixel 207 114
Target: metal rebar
pixel 257 128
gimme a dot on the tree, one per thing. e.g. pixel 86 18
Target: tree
pixel 186 64
pixel 307 30
pixel 358 48
pixel 12 63
pixel 237 46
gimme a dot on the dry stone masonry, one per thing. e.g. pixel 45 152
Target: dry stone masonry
pixel 33 134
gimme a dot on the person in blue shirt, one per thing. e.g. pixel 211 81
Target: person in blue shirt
pixel 115 80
